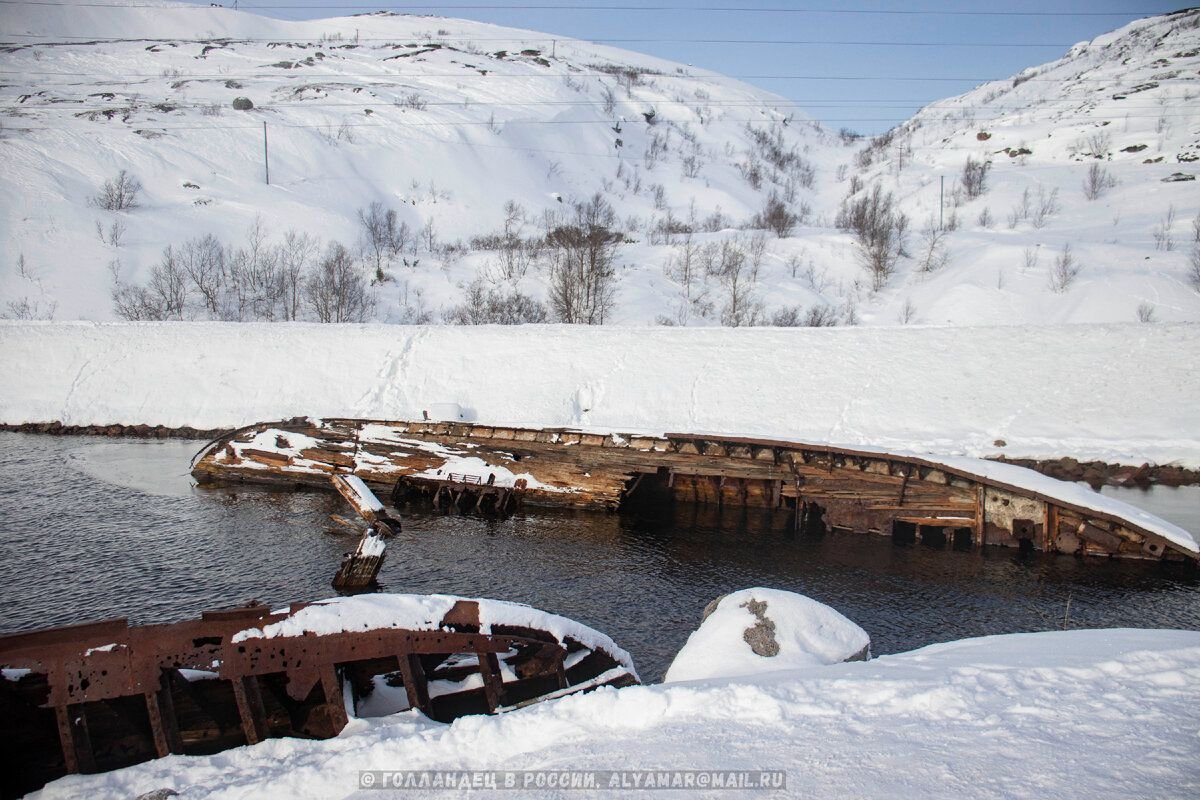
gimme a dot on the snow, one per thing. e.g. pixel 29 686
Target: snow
pixel 460 466
pixel 365 495
pixel 425 132
pixel 424 612
pixel 808 633
pixel 1119 393
pixel 1076 714
pixel 371 546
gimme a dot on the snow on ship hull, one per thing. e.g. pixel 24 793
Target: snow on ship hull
pixel 97 697
pixel 952 501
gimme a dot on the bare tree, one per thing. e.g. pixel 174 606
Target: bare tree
pixel 381 234
pixel 1047 206
pixel 119 193
pixel 1194 256
pixel 775 217
pixel 492 306
pixel 203 261
pixel 1065 270
pixel 295 254
pixel 879 231
pixel 336 290
pixel 933 253
pixel 974 177
pixel 164 297
pixel 1097 181
pixel 740 282
pixel 582 272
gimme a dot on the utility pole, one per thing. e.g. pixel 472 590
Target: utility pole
pixel 266 154
pixel 941 203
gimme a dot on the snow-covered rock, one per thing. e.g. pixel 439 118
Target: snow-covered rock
pixel 759 630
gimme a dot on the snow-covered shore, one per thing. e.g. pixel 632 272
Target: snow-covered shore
pixel 1078 714
pixel 1120 393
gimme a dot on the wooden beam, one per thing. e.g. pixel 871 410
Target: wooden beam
pixel 250 708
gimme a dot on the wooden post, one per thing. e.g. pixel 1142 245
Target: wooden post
pixel 980 511
pixel 250 708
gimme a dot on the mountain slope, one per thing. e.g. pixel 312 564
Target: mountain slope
pixel 447 121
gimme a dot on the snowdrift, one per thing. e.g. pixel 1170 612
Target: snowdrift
pixel 896 726
pixel 1123 393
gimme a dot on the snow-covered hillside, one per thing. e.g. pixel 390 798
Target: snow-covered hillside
pixel 482 139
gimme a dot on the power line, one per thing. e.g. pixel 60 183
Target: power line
pixel 527 39
pixel 702 75
pixel 635 8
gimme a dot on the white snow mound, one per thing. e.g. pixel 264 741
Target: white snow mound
pixel 807 633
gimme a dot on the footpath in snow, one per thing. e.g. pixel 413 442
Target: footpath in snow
pixel 1120 393
pixel 1078 714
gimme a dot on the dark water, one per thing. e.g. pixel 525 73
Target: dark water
pixel 94 528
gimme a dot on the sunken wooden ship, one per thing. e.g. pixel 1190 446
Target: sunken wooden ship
pixel 949 502
pixel 96 697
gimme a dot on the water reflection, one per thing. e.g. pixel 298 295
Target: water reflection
pixel 93 528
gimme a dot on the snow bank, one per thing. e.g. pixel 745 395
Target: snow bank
pixel 1078 714
pixel 1122 393
pixel 805 633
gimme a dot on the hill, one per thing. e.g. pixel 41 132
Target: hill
pixel 444 155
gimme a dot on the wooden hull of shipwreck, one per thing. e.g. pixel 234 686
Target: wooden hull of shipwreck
pixel 839 488
pixel 96 697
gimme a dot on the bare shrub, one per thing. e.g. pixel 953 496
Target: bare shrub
pixel 1064 271
pixel 775 217
pixel 119 193
pixel 907 313
pixel 1145 312
pixel 295 254
pixel 817 316
pixel 1193 273
pixel 492 306
pixel 933 254
pixel 203 262
pixel 1097 182
pixel 336 289
pixel 879 231
pixel 1047 206
pixel 985 218
pixel 1163 239
pixel 974 177
pixel 1030 258
pixel 164 297
pixel 381 235
pixel 582 271
pixel 740 282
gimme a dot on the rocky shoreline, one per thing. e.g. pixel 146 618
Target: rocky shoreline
pixel 1094 473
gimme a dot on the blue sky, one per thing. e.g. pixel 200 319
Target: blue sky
pixel 854 68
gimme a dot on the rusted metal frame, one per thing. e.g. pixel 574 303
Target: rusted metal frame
pixel 74 740
pixel 415 684
pixel 331 688
pixel 165 703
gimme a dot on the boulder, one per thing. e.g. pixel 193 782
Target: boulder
pixel 755 631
